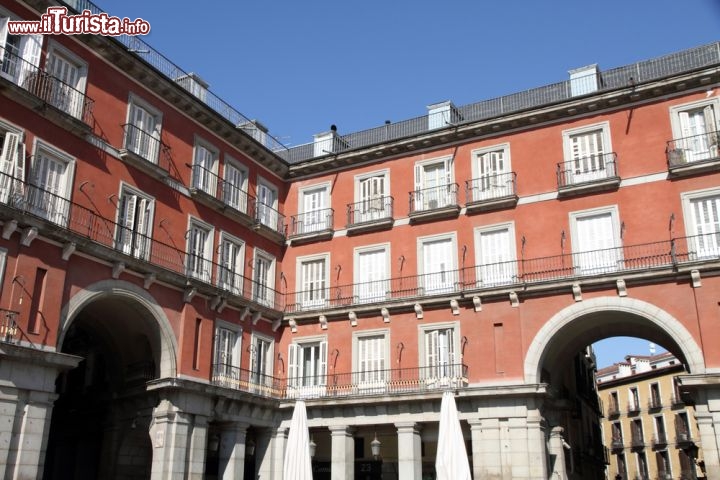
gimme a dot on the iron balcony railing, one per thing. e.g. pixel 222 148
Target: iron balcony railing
pixel 571 266
pixel 338 385
pixel 266 215
pixel 655 403
pixel 159 62
pixel 616 78
pixel 491 187
pixel 46 87
pixel 676 401
pixel 636 439
pixel 683 435
pixel 659 439
pixel 370 210
pixel 28 198
pixel 147 146
pixel 695 148
pixel 617 443
pixel 590 169
pixel 9 329
pixel 633 408
pixel 434 198
pixel 311 222
pixel 613 409
pixel 221 190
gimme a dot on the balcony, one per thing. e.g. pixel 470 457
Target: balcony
pixel 492 192
pixel 659 440
pixel 369 215
pixel 70 107
pixel 633 408
pixel 676 401
pixel 146 152
pixel 683 437
pixel 434 203
pixel 655 403
pixel 215 192
pixel 311 226
pixel 268 222
pixel 637 440
pixel 9 329
pixel 613 410
pixel 343 385
pixel 595 173
pixel 694 154
pixel 617 443
pixel 74 225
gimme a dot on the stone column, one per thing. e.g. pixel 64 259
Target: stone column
pixel 343 453
pixel 270 453
pixel 537 444
pixel 169 435
pixel 198 448
pixel 30 436
pixel 556 449
pixel 709 439
pixel 232 452
pixel 409 451
pixel 487 449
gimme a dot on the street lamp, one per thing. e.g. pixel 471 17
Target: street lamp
pixel 313 447
pixel 375 447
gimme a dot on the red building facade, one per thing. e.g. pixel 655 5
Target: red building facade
pixel 174 278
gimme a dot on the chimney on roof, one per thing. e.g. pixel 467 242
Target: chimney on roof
pixel 256 130
pixel 584 80
pixel 193 83
pixel 327 142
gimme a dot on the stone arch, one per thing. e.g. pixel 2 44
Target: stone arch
pixel 150 308
pixel 621 316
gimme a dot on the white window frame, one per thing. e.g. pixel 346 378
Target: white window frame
pixel 707 244
pixel 60 95
pixel 235 283
pixel 374 208
pixel 27 52
pixel 592 168
pixel 206 258
pixel 267 215
pixel 267 296
pixel 440 195
pixel 620 429
pixel 438 284
pixel 496 273
pixel 489 186
pixel 307 300
pixel 240 191
pixel 688 153
pixel 631 398
pixel 13 165
pixel 368 291
pixel 372 380
pixel 318 219
pixel 441 375
pixel 205 179
pixel 137 247
pixel 592 262
pixel 227 373
pixel 141 142
pixel 262 378
pixel 42 202
pixel 301 385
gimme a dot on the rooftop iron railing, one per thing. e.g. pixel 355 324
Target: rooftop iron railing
pixel 46 87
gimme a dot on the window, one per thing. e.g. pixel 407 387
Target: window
pixel 235 186
pixel 614 407
pixel 664 468
pixel 438 260
pixel 633 400
pixel 642 466
pixel 19 54
pixel 695 131
pixel 67 93
pixel 495 252
pixel 204 167
pixel 134 223
pixel 439 347
pixel 372 273
pixel 199 248
pixel 230 263
pixel 433 185
pixel 492 176
pixel 264 278
pixel 617 437
pixel 267 213
pixel 587 153
pixel 702 222
pixel 12 167
pixel 142 132
pixel 313 281
pixel 51 179
pixel 371 355
pixel 226 358
pixel 307 367
pixel 372 198
pixel 261 361
pixel 682 427
pixel 655 401
pixel 314 210
pixel 660 433
pixel 596 241
pixel 621 466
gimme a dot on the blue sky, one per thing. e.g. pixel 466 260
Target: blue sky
pixel 299 67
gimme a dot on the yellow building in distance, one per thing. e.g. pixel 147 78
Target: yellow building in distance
pixel 648 427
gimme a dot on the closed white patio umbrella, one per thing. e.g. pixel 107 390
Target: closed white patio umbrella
pixel 451 462
pixel 297 464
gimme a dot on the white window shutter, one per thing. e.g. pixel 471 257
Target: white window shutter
pixel 128 221
pixel 3 33
pixel 322 365
pixel 9 153
pixel 685 125
pixel 31 49
pixel 419 179
pixel 293 364
pixel 20 163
